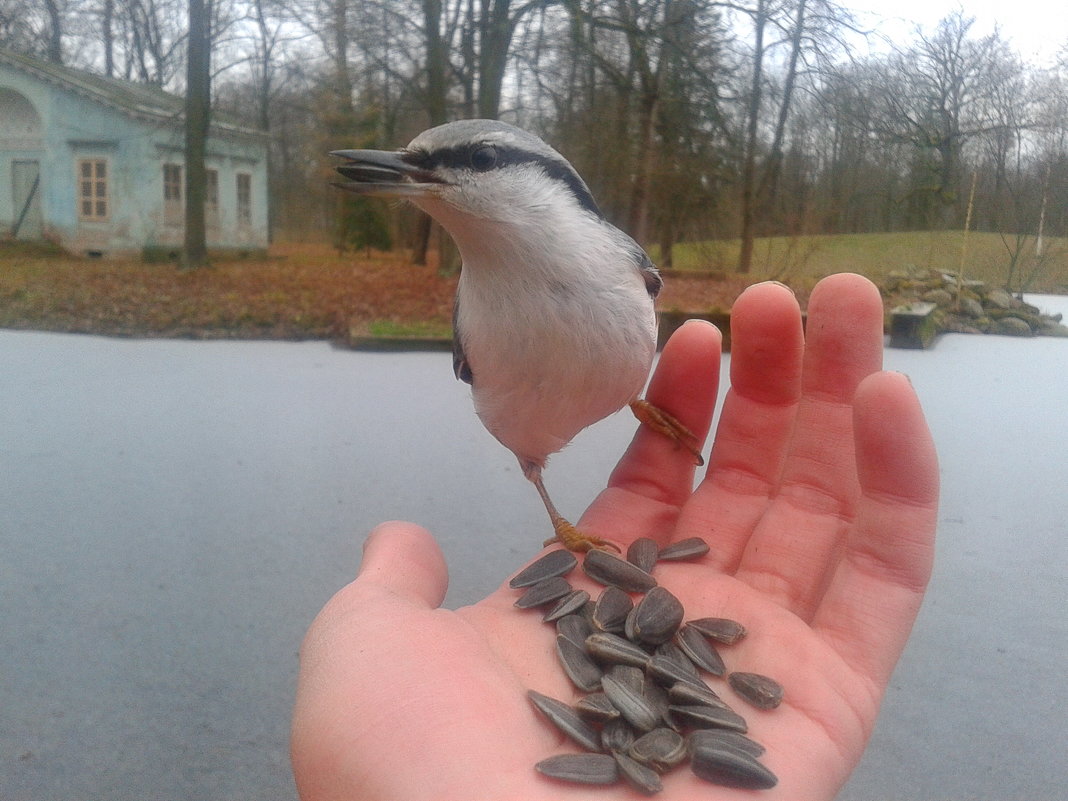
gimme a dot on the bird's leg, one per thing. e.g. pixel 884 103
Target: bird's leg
pixel 662 422
pixel 566 534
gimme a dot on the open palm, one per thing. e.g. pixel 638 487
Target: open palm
pixel 819 503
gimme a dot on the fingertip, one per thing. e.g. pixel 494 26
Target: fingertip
pixel 696 335
pixel 405 559
pixel 686 378
pixel 896 455
pixel 767 343
pixel 853 283
pixel 766 288
pixel 685 384
pixel 687 374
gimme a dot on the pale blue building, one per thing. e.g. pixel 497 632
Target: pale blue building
pixel 97 165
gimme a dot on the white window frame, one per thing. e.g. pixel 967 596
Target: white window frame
pixel 244 199
pixel 96 182
pixel 173 189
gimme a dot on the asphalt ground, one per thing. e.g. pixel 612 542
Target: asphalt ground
pixel 173 514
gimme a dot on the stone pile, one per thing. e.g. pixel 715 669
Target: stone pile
pixel 981 309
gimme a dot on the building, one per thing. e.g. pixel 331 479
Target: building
pixel 96 165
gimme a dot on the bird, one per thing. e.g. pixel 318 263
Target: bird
pixel 554 325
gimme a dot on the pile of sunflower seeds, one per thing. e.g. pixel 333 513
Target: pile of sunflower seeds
pixel 647 708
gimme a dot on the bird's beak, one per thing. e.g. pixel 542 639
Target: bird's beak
pixel 384 173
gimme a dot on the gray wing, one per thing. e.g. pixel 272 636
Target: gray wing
pixel 651 275
pixel 460 367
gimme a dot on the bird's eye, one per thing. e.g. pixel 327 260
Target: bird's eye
pixel 484 158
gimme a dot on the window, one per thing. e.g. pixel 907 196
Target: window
pixel 173 211
pixel 172 182
pixel 211 199
pixel 93 189
pixel 244 198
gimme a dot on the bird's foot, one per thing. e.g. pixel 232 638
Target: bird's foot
pixel 663 423
pixel 574 540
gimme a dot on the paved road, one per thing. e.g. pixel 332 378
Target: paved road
pixel 173 514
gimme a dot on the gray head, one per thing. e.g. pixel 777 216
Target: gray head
pixel 478 168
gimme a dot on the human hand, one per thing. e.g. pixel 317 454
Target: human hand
pixel 819 502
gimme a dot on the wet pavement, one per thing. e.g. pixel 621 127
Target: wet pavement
pixel 173 514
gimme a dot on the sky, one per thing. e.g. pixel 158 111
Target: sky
pixel 1037 28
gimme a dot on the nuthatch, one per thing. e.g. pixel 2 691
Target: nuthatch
pixel 554 327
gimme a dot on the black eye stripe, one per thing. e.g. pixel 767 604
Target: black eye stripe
pixel 459 157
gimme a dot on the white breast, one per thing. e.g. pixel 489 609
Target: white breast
pixel 553 347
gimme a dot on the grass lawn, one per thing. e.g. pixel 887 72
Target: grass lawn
pixel 800 261
pixel 309 291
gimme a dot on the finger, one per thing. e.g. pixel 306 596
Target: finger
pixel 875 594
pixel 655 476
pixel 798 539
pixel 754 428
pixel 406 560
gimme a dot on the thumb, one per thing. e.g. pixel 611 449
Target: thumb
pixel 404 559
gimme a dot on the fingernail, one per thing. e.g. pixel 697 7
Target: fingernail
pixel 787 287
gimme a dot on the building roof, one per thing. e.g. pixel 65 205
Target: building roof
pixel 136 99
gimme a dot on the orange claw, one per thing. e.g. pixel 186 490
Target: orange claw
pixel 663 423
pixel 574 540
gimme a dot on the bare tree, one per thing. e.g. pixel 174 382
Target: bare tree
pixel 937 95
pixel 633 53
pixel 197 122
pixel 796 35
pixel 55 31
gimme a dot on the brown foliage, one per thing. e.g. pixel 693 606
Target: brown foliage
pixel 298 292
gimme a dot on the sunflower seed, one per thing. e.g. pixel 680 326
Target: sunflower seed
pixel 566 720
pixel 575 628
pixel 587 611
pixel 673 653
pixel 661 749
pixel 639 700
pixel 761 691
pixel 611 609
pixel 544 592
pixel 702 716
pixel 617 735
pixel 643 552
pixel 580 768
pixel 683 692
pixel 641 778
pixel 694 644
pixel 657 616
pixel 668 672
pixel 689 548
pixel 628 675
pixel 628 626
pixel 631 704
pixel 720 629
pixel 596 708
pixel 726 739
pixel 730 767
pixel 614 650
pixel 567 605
pixel 583 671
pixel 657 697
pixel 555 563
pixel 614 571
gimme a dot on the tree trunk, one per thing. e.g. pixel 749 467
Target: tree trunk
pixel 55 32
pixel 197 120
pixel 638 216
pixel 745 257
pixel 495 37
pixel 769 183
pixel 436 107
pixel 109 46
